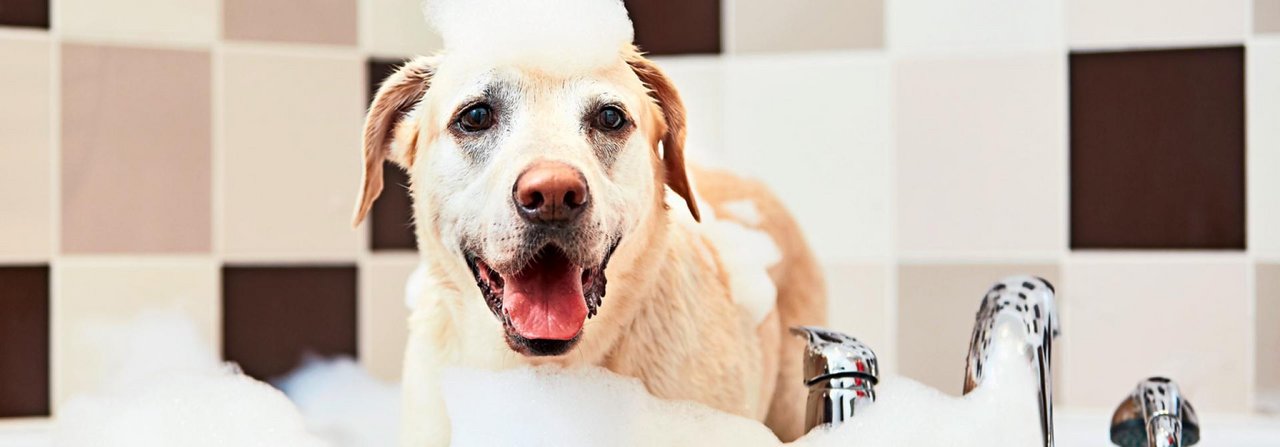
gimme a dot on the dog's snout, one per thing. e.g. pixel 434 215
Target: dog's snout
pixel 550 192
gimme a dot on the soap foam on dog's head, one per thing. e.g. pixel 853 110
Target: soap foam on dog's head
pixel 558 36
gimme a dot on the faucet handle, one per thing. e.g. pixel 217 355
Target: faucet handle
pixel 1155 415
pixel 831 353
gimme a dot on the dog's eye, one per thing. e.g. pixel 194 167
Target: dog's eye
pixel 610 118
pixel 476 118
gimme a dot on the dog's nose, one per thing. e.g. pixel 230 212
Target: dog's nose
pixel 550 192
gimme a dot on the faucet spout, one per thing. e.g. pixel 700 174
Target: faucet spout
pixel 1017 313
pixel 1155 415
pixel 841 373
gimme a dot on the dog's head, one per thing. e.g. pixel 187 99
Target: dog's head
pixel 530 178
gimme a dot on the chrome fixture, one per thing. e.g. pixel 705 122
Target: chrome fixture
pixel 841 373
pixel 1155 415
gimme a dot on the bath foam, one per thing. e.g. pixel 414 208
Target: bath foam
pixel 342 403
pixel 558 36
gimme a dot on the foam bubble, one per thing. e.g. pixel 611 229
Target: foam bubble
pixel 343 403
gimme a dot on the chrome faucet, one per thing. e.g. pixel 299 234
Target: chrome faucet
pixel 1019 309
pixel 1155 415
pixel 841 373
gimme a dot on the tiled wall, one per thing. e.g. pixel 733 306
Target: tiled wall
pixel 202 156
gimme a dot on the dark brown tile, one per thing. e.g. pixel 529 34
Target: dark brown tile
pixel 1157 149
pixel 273 316
pixel 391 219
pixel 676 26
pixel 29 13
pixel 24 341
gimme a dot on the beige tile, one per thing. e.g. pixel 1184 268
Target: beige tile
pixel 1185 317
pixel 944 26
pixel 135 150
pixel 93 298
pixel 383 314
pixel 1129 23
pixel 396 28
pixel 1267 346
pixel 1262 75
pixel 156 21
pixel 1266 16
pixel 859 304
pixel 301 21
pixel 291 147
pixel 936 308
pixel 755 26
pixel 981 166
pixel 25 190
pixel 701 82
pixel 816 129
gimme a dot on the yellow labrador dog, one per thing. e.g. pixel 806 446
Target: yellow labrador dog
pixel 549 238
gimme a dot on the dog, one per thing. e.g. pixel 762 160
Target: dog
pixel 558 223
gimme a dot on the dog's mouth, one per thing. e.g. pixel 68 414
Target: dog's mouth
pixel 544 305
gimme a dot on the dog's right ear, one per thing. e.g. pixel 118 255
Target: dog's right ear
pixel 398 95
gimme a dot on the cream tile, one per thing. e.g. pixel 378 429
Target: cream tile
pixel 93 296
pixel 1266 16
pixel 383 314
pixel 291 142
pixel 330 22
pixel 1267 343
pixel 157 21
pixel 815 128
pixel 756 26
pixel 981 165
pixel 936 308
pixel 929 26
pixel 700 80
pixel 1180 316
pixel 25 150
pixel 1262 74
pixel 859 304
pixel 396 28
pixel 1129 23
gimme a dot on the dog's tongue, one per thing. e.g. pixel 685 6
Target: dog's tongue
pixel 544 301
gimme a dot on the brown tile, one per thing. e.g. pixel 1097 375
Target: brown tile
pixel 676 26
pixel 936 308
pixel 30 13
pixel 301 21
pixel 1157 149
pixel 273 316
pixel 135 150
pixel 24 341
pixel 1267 345
pixel 1266 16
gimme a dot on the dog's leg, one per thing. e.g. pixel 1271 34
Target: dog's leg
pixel 424 422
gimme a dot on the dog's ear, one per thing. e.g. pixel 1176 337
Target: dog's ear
pixel 398 94
pixel 664 93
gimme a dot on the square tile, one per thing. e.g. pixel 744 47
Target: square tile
pixel 859 304
pixel 331 22
pixel 391 218
pixel 1266 16
pixel 28 13
pixel 96 296
pixel 1199 304
pixel 756 26
pixel 1157 149
pixel 169 22
pixel 933 26
pixel 981 146
pixel 383 327
pixel 936 308
pixel 684 27
pixel 25 149
pixel 24 341
pixel 274 316
pixel 823 146
pixel 136 157
pixel 1131 23
pixel 396 27
pixel 1263 159
pixel 1267 342
pixel 291 142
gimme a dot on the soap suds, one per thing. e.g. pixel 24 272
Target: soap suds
pixel 744 211
pixel 343 404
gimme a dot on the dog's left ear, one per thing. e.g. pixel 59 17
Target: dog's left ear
pixel 664 93
pixel 398 95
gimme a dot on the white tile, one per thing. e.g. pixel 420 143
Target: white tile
pixel 25 150
pixel 859 304
pixel 815 128
pixel 981 166
pixel 1182 316
pixel 1263 109
pixel 153 21
pixel 927 26
pixel 1095 24
pixel 95 298
pixel 383 315
pixel 396 28
pixel 700 81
